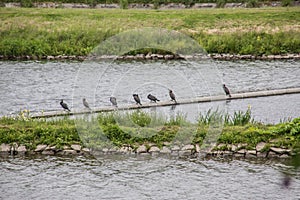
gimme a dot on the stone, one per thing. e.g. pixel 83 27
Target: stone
pixel 169 57
pixel 105 150
pixel 260 146
pixel 272 155
pixel 174 153
pixel 184 153
pixel 253 152
pixel 261 154
pixel 141 149
pixel 175 148
pixel 21 149
pixel 280 150
pixel 124 150
pixel 68 152
pixel 188 147
pixel 239 155
pixel 165 150
pixel 197 148
pixel 66 147
pixel 76 147
pixel 225 153
pixel 234 148
pixel 284 156
pixel 154 149
pixel 86 150
pixel 50 57
pixel 241 151
pixel 40 147
pixel 167 143
pixel 5 148
pixel 48 152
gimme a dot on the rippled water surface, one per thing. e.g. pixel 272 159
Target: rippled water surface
pixel 39 86
pixel 144 178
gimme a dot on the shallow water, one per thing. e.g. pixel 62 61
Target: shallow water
pixel 38 86
pixel 122 177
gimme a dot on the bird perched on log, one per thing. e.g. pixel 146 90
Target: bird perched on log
pixel 85 103
pixel 226 90
pixel 152 98
pixel 172 95
pixel 137 98
pixel 64 105
pixel 113 100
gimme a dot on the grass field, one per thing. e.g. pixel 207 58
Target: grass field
pixel 40 32
pixel 138 128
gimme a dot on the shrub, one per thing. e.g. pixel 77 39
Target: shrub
pixel 26 3
pixel 123 4
pixel 252 4
pixel 221 3
pixel 286 3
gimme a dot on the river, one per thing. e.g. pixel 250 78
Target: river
pixel 39 86
pixel 142 177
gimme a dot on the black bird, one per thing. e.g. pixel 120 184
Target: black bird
pixel 113 100
pixel 172 95
pixel 152 98
pixel 137 98
pixel 85 103
pixel 226 90
pixel 64 105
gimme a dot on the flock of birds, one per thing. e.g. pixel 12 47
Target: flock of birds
pixel 137 99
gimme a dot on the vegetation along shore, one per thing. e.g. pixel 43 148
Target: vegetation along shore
pixel 47 33
pixel 241 136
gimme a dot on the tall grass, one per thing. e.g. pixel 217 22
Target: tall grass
pixel 42 32
pixel 106 130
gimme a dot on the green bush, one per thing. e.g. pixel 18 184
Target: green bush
pixel 252 4
pixel 286 3
pixel 123 4
pixel 26 3
pixel 221 3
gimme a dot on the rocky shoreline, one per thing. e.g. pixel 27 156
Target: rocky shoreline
pixel 262 150
pixel 156 57
pixel 144 5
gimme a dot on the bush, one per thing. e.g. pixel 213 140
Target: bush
pixel 123 4
pixel 252 4
pixel 286 3
pixel 26 3
pixel 221 3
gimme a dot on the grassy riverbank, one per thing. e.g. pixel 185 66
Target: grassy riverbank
pixel 137 128
pixel 41 32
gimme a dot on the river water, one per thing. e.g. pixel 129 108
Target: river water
pixel 40 86
pixel 144 178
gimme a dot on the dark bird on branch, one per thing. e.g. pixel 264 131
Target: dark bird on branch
pixel 152 98
pixel 172 95
pixel 64 105
pixel 226 90
pixel 113 100
pixel 137 98
pixel 85 103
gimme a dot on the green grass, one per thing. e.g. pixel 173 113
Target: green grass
pixel 42 32
pixel 138 127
